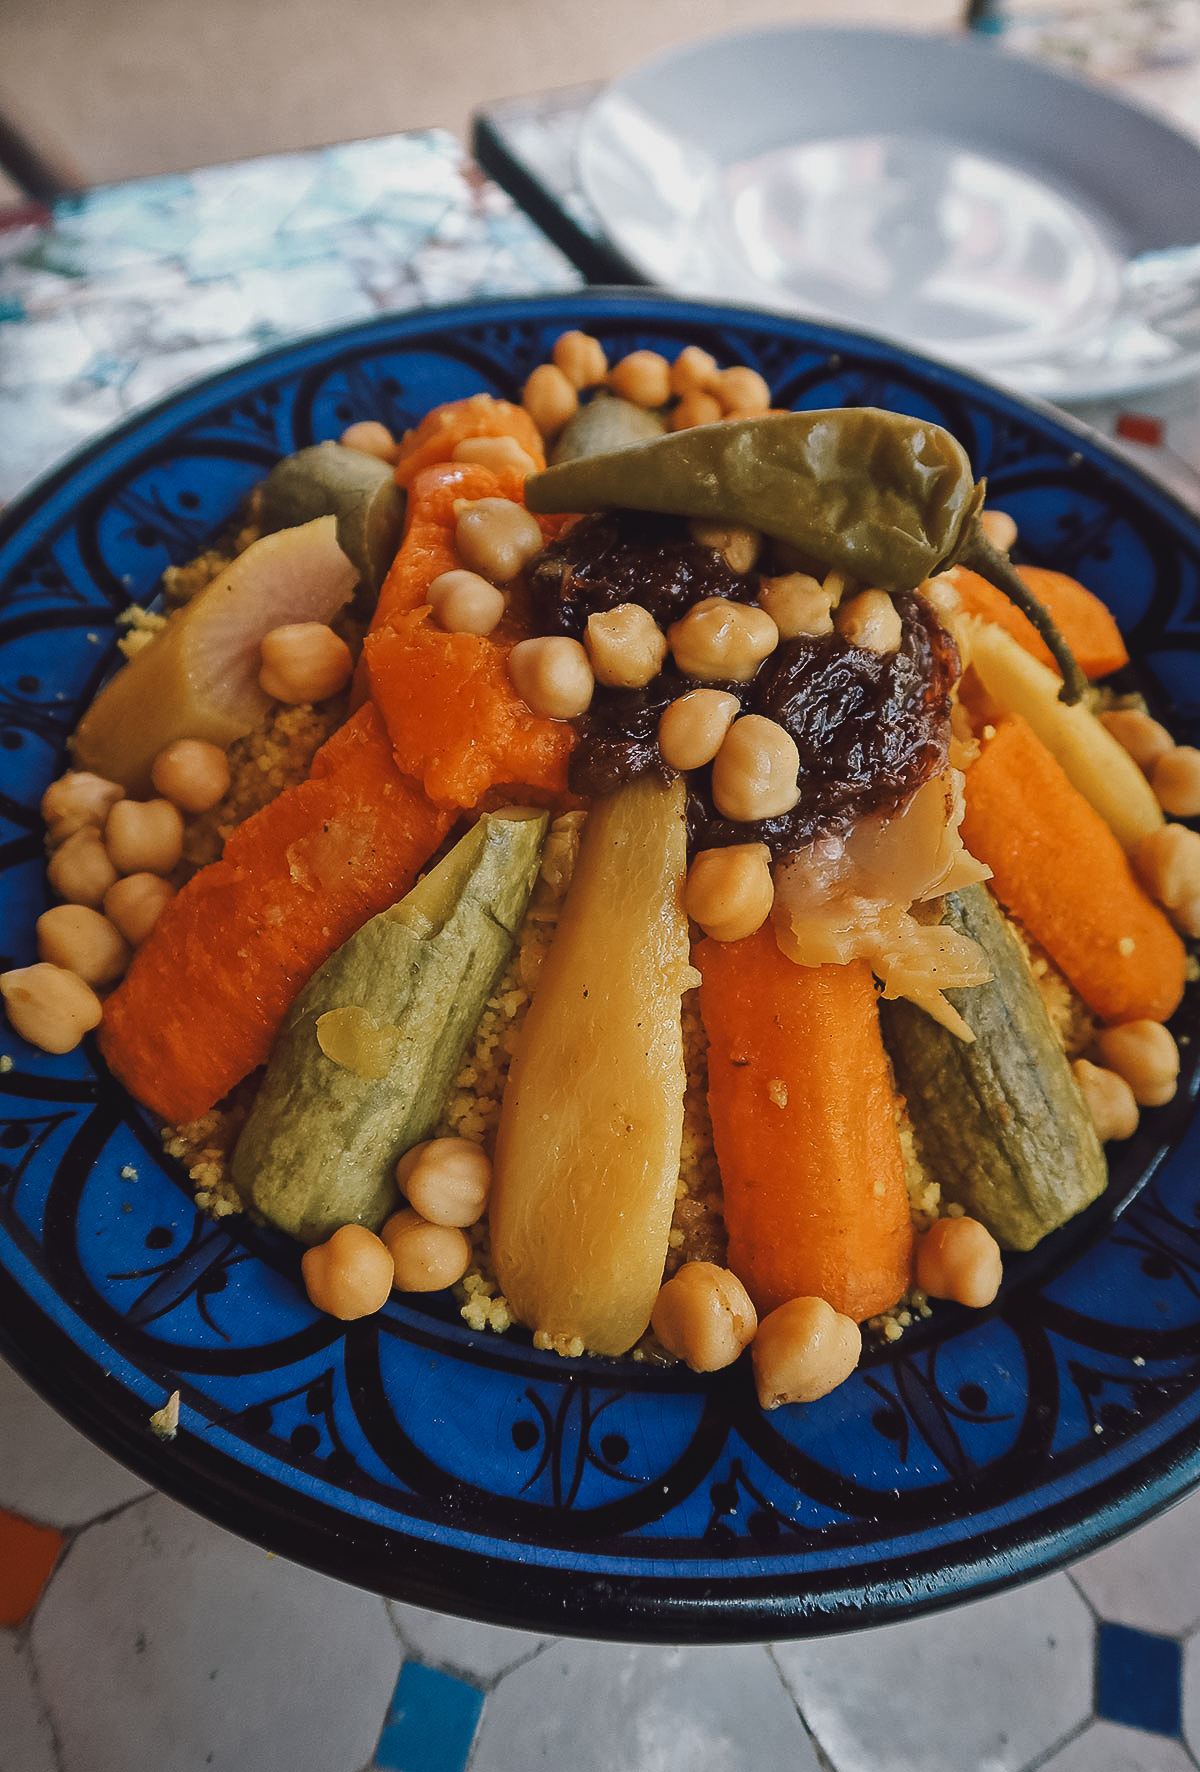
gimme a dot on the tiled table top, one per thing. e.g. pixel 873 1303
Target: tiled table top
pixel 134 1634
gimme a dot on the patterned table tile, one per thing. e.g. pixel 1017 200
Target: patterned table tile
pixel 481 1652
pixel 1002 1681
pixel 26 1741
pixel 48 1472
pixel 600 1707
pixel 430 1723
pixel 1151 1579
pixel 166 1643
pixel 1138 1679
pixel 1107 1747
pixel 28 1553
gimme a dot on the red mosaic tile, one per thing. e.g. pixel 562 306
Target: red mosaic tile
pixel 27 1555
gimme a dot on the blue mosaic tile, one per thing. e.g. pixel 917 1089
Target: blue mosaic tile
pixel 431 1722
pixel 1139 1679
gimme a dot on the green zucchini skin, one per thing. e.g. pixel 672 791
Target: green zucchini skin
pixel 329 480
pixel 1000 1123
pixel 322 1141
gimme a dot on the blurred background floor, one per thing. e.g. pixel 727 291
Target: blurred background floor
pixel 122 88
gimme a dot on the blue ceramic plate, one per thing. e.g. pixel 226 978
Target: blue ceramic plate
pixel 469 1472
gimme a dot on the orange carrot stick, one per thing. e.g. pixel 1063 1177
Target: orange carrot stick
pixel 428 547
pixel 456 721
pixel 1058 868
pixel 805 1130
pixel 480 415
pixel 1084 621
pixel 205 996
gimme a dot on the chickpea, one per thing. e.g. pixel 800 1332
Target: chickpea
pixel 1176 781
pixel 695 408
pixel 82 941
pixel 719 641
pixel 1168 864
pixel 1144 738
pixel 798 604
pixel 464 603
pixel 741 391
pixel 496 453
pixel 304 661
pixel 553 676
pixel 135 903
pixel 693 727
pixel 369 437
pixel 581 359
pixel 496 537
pixel 349 1276
pixel 1109 1098
pixel 426 1257
pixel 703 1315
pixel 1000 529
pixel 626 646
pixel 50 1007
pixel 943 595
pixel 730 891
pixel 144 836
pixel 693 371
pixel 80 870
pixel 549 399
pixel 754 772
pixel 870 620
pixel 446 1180
pixel 643 378
pixel 959 1258
pixel 1145 1054
pixel 192 774
pixel 740 544
pixel 803 1350
pixel 76 800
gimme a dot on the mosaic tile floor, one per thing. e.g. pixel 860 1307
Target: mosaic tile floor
pixel 135 1634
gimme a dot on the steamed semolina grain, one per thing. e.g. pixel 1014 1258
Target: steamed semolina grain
pixel 182 583
pixel 205 1149
pixel 141 626
pixel 1073 1023
pixel 276 755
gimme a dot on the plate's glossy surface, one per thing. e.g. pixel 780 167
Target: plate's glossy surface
pixel 469 1472
pixel 981 207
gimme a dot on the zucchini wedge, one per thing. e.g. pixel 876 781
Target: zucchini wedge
pixel 1000 1123
pixel 362 1067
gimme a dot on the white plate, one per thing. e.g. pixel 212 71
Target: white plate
pixel 979 207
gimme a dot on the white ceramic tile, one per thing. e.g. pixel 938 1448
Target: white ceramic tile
pixel 1191 1694
pixel 606 1707
pixel 1110 1747
pixel 48 1472
pixel 26 1744
pixel 167 1644
pixel 481 1651
pixel 1152 1577
pixel 986 1687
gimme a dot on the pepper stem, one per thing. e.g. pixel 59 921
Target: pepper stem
pixel 978 553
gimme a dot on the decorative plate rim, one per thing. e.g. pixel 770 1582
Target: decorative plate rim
pixel 558 1587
